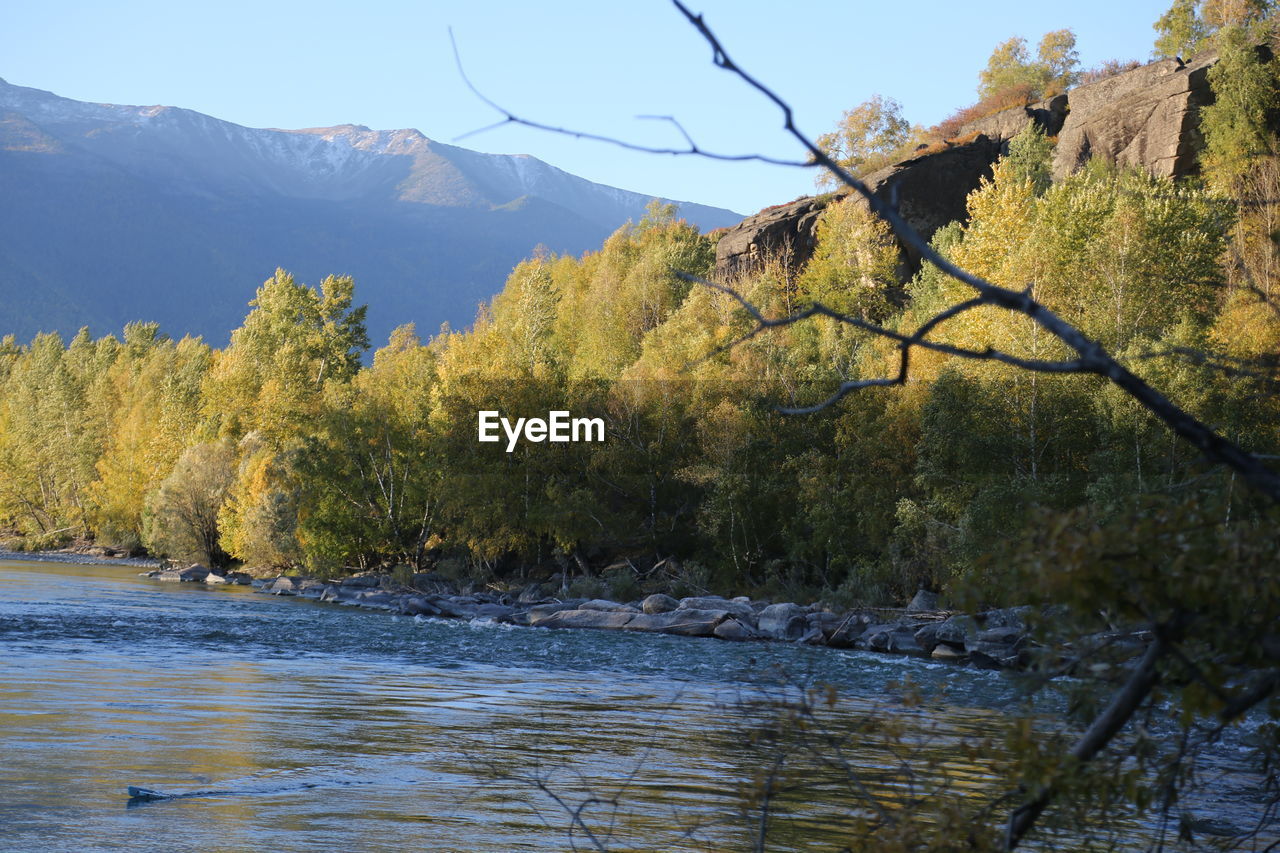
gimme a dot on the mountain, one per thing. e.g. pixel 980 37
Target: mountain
pixel 112 213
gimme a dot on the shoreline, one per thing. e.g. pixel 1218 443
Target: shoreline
pixel 997 639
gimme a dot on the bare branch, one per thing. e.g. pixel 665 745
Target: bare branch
pixel 817 309
pixel 1093 357
pixel 1105 727
pixel 692 149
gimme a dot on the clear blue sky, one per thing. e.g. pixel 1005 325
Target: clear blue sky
pixel 590 65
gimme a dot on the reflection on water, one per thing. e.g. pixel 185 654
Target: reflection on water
pixel 300 726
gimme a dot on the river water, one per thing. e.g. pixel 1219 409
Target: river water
pixel 300 726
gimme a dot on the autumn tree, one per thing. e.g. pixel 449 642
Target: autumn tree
pixel 266 391
pixel 156 388
pixel 1010 69
pixel 867 137
pixel 294 341
pixel 1180 31
pixel 370 471
pixel 182 514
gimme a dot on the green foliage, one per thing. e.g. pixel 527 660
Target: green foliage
pixel 1030 157
pixel 855 263
pixel 258 522
pixel 1010 67
pixel 294 342
pixel 335 466
pixel 867 137
pixel 182 514
pixel 1238 125
pixel 369 466
pixel 1180 31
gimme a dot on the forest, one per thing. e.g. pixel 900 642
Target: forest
pixel 293 449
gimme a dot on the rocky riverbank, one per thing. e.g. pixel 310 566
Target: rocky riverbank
pixel 995 640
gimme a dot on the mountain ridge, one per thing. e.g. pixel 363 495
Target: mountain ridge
pixel 450 222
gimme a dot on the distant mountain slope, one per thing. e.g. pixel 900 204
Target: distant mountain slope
pixel 116 213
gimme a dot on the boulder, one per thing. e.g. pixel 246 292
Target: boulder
pixel 541 611
pixel 336 592
pixel 456 606
pixel 954 631
pixel 686 622
pixel 995 656
pixel 605 605
pixel 659 603
pixel 611 620
pixel 924 601
pixel 283 585
pixel 1146 117
pixel 215 578
pixel 531 594
pixel 998 648
pixel 948 653
pixel 813 637
pixel 824 621
pixel 785 231
pixel 783 621
pixel 311 587
pixel 897 637
pixel 417 605
pixel 732 629
pixel 377 598
pixel 1009 617
pixel 363 581
pixel 169 576
pixel 844 635
pixel 1004 636
pixel 740 611
pixel 194 573
pixel 926 636
pixel 494 612
pixel 238 578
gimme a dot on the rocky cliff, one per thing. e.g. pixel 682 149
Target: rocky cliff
pixel 1148 117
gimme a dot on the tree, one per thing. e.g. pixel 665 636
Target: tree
pixel 1238 124
pixel 1180 31
pixel 867 137
pixel 1227 696
pixel 1010 68
pixel 294 341
pixel 156 388
pixel 370 468
pixel 182 519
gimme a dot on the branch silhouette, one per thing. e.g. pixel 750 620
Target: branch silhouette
pixel 1091 358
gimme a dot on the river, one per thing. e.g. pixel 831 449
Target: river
pixel 301 726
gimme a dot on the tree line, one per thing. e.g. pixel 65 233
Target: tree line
pixel 283 449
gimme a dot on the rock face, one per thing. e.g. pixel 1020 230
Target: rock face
pixel 1007 124
pixel 783 621
pixel 931 191
pixel 659 603
pixel 924 600
pixel 785 232
pixel 1145 117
